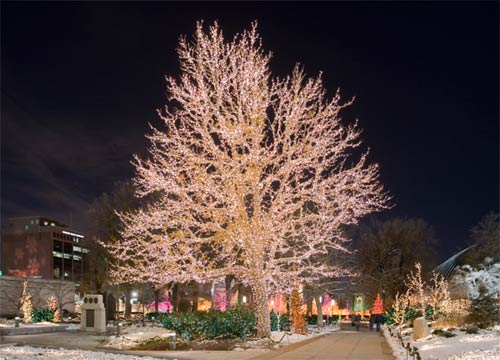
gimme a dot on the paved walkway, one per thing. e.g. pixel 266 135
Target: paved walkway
pixel 344 344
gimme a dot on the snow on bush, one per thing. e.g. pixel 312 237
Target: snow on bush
pixel 488 276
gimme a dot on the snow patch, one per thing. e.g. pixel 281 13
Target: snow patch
pixel 29 353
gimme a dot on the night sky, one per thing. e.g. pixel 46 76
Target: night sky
pixel 81 81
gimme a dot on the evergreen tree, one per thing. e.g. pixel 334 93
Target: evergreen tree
pixel 26 305
pixel 298 318
pixel 378 307
pixel 485 309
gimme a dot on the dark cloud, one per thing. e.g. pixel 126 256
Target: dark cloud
pixel 56 169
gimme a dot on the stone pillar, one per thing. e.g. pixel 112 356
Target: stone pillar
pixel 93 314
pixel 420 328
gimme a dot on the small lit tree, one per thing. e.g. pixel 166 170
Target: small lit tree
pixel 26 305
pixel 378 307
pixel 297 313
pixel 416 289
pixel 57 316
pixel 399 307
pixel 438 293
pixel 52 303
pixel 254 176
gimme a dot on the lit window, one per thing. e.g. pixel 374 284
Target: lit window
pixel 37 221
pixel 57 254
pixel 26 227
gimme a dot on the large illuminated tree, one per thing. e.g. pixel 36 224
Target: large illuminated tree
pixel 253 174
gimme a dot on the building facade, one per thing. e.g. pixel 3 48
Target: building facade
pixel 44 248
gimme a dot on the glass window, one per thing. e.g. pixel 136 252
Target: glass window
pixel 58 246
pixel 26 227
pixel 68 269
pixel 68 261
pixel 57 259
pixel 68 248
pixel 37 221
pixel 77 268
pixel 57 267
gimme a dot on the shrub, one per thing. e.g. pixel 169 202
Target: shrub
pixel 485 310
pixel 157 316
pixel 42 315
pixel 455 321
pixel 443 333
pixel 471 330
pixel 215 324
pixel 312 319
pixel 411 314
pixel 274 321
pixel 386 319
pixel 285 323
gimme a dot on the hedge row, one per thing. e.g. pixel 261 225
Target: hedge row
pixel 214 324
pixel 40 315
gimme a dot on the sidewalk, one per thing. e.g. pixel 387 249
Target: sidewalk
pixel 340 345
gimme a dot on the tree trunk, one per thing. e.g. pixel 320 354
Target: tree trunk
pixel 128 305
pixel 175 297
pixel 229 294
pixel 157 299
pixel 262 322
pixel 196 292
pixel 240 294
pixel 309 304
pixel 319 308
pixel 212 296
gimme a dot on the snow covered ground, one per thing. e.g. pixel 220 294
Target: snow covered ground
pixel 10 323
pixel 485 346
pixel 28 352
pixel 131 336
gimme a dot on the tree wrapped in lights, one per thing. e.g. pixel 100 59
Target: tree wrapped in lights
pixel 416 289
pixel 378 306
pixel 52 303
pixel 399 306
pixel 438 293
pixel 26 304
pixel 278 304
pixel 252 177
pixel 297 313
